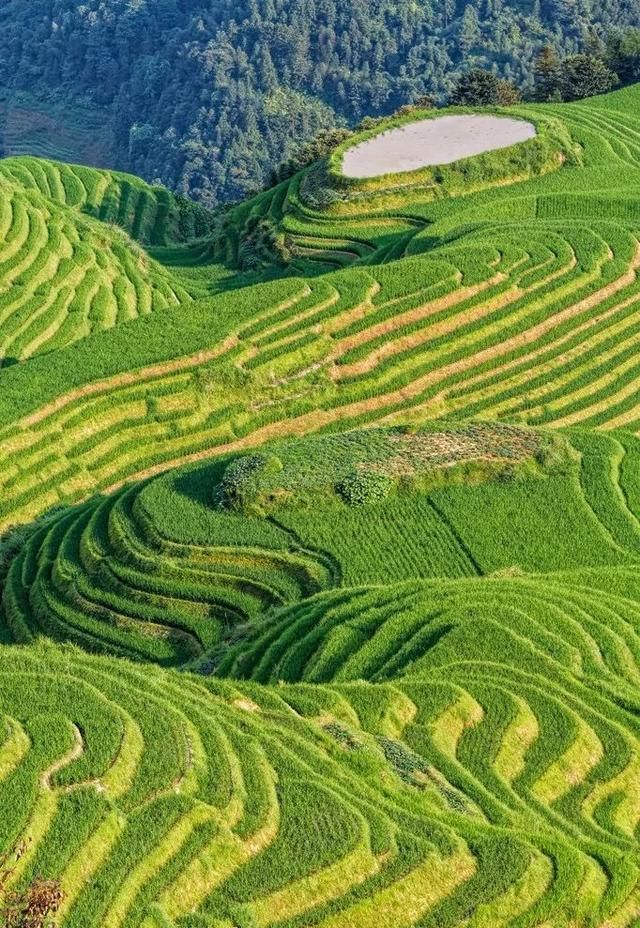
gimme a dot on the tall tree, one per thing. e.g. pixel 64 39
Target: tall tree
pixel 547 75
pixel 585 76
pixel 482 88
pixel 623 54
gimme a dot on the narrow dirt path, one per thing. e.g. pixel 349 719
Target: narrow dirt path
pixel 74 753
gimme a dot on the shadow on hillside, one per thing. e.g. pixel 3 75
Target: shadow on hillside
pixel 200 264
pixel 23 619
pixel 199 484
pixel 213 276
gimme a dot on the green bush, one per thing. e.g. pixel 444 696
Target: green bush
pixel 362 487
pixel 240 482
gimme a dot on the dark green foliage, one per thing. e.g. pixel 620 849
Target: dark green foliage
pixel 585 76
pixel 548 76
pixel 241 480
pixel 483 88
pixel 314 150
pixel 363 487
pixel 410 767
pixel 260 243
pixel 577 77
pixel 342 735
pixel 623 54
pixel 209 97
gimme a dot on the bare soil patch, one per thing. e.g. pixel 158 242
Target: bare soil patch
pixel 432 142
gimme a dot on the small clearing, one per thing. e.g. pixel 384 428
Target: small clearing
pixel 432 142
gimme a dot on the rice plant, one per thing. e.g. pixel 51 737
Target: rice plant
pixel 319 599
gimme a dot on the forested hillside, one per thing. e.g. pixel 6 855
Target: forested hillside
pixel 206 96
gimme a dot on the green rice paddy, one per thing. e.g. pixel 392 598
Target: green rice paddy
pixel 319 580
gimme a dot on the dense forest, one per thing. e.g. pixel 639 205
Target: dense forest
pixel 206 96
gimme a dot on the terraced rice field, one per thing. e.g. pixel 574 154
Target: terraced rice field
pixel 63 275
pixel 319 598
pixel 456 749
pixel 60 133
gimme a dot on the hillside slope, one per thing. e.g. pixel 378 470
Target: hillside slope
pixel 460 748
pixel 516 301
pixel 209 96
pixel 69 260
pixel 319 599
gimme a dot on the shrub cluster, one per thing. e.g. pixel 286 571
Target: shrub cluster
pixel 316 149
pixel 262 243
pixel 362 487
pixel 240 484
pixel 318 188
pixel 407 764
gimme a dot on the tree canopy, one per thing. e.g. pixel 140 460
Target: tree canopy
pixel 206 96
